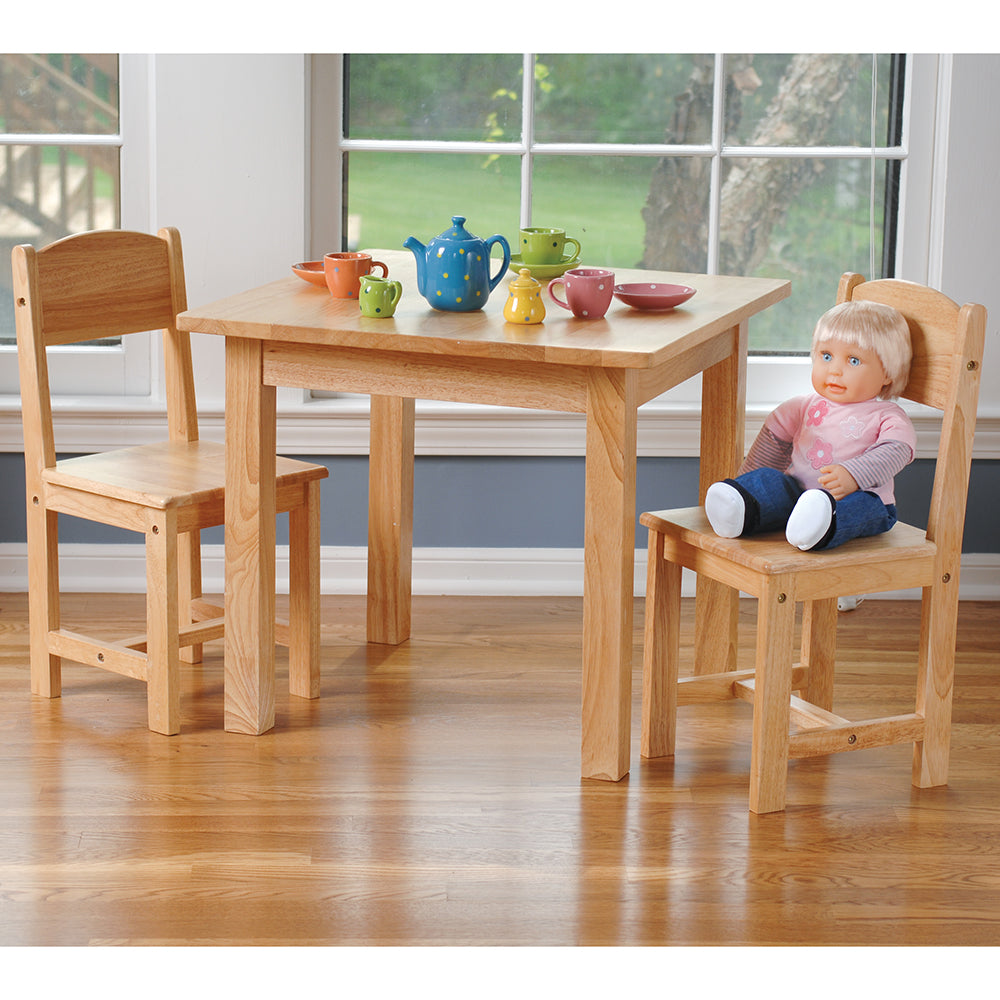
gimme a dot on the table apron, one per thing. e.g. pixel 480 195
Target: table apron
pixel 452 378
pixel 462 379
pixel 695 360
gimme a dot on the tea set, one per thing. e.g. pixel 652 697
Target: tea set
pixel 455 274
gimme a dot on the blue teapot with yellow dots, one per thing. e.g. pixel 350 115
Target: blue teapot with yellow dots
pixel 453 270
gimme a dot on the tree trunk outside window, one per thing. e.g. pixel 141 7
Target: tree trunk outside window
pixel 755 192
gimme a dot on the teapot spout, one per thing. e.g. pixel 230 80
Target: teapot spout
pixel 420 256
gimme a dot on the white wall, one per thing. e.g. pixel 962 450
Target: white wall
pixel 970 268
pixel 228 146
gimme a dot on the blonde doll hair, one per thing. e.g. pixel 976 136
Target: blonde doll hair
pixel 874 327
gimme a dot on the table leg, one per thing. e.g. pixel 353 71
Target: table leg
pixel 250 541
pixel 609 557
pixel 390 519
pixel 723 419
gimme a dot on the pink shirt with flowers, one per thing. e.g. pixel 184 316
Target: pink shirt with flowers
pixel 873 440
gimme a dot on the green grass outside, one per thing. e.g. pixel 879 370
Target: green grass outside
pixel 396 196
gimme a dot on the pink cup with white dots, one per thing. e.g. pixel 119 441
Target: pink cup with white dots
pixel 588 291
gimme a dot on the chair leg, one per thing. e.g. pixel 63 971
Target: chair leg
pixel 162 623
pixel 303 590
pixel 935 682
pixel 717 613
pixel 661 652
pixel 772 693
pixel 819 647
pixel 43 599
pixel 189 586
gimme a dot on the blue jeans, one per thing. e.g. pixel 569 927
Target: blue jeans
pixel 770 496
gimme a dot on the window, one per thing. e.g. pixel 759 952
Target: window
pixel 298 198
pixel 778 165
pixel 60 152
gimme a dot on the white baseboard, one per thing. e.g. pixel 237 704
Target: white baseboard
pixel 501 572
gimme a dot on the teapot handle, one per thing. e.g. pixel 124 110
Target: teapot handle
pixel 505 246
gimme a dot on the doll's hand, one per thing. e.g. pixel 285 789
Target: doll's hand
pixel 837 480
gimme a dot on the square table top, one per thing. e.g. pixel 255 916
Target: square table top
pixel 293 310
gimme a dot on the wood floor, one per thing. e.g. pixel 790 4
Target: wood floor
pixel 432 797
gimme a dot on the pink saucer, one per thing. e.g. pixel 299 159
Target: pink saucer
pixel 652 295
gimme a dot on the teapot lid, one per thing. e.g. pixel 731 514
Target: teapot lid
pixel 457 230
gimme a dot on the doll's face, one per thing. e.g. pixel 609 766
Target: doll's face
pixel 846 373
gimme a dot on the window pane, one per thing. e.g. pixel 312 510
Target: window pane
pixel 675 213
pixel 623 98
pixel 806 99
pixel 443 97
pixel 395 195
pixel 59 94
pixel 781 215
pixel 47 192
pixel 823 231
pixel 602 201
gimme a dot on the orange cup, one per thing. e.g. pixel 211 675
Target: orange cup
pixel 344 272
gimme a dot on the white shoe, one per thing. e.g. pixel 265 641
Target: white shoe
pixel 810 519
pixel 726 510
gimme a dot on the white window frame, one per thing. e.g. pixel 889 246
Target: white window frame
pixel 119 375
pixel 668 425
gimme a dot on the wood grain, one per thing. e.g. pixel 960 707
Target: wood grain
pixel 432 796
pixel 390 519
pixel 609 544
pixel 250 532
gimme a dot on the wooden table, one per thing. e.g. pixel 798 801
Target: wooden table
pixel 291 333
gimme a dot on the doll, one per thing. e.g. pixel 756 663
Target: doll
pixel 823 465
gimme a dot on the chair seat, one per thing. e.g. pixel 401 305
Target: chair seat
pixel 861 566
pixel 165 474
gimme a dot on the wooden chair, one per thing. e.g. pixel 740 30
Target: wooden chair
pixel 945 373
pixel 109 284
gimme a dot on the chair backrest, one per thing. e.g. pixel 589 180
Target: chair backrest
pixel 93 286
pixel 945 373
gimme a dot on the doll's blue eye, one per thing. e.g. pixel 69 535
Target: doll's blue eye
pixel 826 355
pixel 854 362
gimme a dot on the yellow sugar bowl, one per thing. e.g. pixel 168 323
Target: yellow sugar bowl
pixel 524 300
